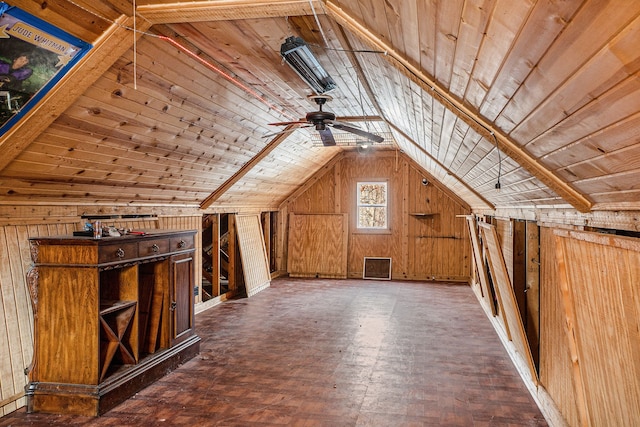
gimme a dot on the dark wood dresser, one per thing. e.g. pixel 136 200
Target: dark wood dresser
pixel 111 316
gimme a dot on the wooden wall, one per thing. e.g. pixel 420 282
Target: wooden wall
pixel 589 323
pixel 592 324
pixel 426 240
pixel 17 225
pixel 555 358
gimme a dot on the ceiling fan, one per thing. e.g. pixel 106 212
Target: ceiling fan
pixel 323 121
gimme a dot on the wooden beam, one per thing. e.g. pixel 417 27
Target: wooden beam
pixel 426 153
pixel 344 41
pixel 108 9
pixel 357 66
pixel 473 119
pixel 272 145
pixel 105 51
pixel 225 10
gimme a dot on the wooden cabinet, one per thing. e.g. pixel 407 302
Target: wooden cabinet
pixel 111 316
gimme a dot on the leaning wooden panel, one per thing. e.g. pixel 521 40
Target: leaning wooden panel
pixel 504 230
pixel 487 296
pixel 507 298
pixel 318 245
pixel 600 279
pixel 502 315
pixel 253 253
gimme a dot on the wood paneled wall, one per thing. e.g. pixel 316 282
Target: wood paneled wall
pixel 17 225
pixel 555 359
pixel 596 291
pixel 426 240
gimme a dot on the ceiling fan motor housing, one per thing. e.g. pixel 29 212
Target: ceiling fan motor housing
pixel 320 118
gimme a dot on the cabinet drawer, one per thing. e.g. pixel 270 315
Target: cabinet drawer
pixel 181 243
pixel 153 247
pixel 118 252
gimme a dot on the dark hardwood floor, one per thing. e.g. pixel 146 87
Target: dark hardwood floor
pixel 334 353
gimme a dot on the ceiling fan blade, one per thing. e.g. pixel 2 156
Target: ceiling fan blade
pixel 288 123
pixel 360 132
pixel 335 123
pixel 327 137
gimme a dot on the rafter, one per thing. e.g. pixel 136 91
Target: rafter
pixel 367 88
pixel 479 124
pixel 272 145
pixel 488 204
pixel 224 10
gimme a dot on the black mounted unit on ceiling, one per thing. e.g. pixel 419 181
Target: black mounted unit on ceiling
pixel 297 54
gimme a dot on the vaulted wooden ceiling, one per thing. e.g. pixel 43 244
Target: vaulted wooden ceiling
pixel 542 96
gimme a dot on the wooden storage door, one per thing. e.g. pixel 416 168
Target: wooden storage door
pixel 318 245
pixel 181 297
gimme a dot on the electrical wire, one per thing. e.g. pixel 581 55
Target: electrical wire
pixel 135 49
pixel 315 15
pixel 495 140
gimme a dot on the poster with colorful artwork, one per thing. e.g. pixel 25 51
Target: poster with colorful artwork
pixel 34 55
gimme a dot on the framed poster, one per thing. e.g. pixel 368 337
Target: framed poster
pixel 34 55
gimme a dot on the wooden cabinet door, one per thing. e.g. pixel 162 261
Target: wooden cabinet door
pixel 181 297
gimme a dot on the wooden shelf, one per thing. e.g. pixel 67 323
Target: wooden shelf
pixel 110 306
pixel 423 214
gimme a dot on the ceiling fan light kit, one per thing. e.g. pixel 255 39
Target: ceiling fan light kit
pixel 297 54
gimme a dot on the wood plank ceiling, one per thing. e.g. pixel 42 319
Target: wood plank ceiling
pixel 183 112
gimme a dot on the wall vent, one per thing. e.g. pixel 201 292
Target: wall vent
pixel 377 268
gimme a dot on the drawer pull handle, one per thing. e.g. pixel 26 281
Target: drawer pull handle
pixel 155 248
pixel 120 253
pixel 182 244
